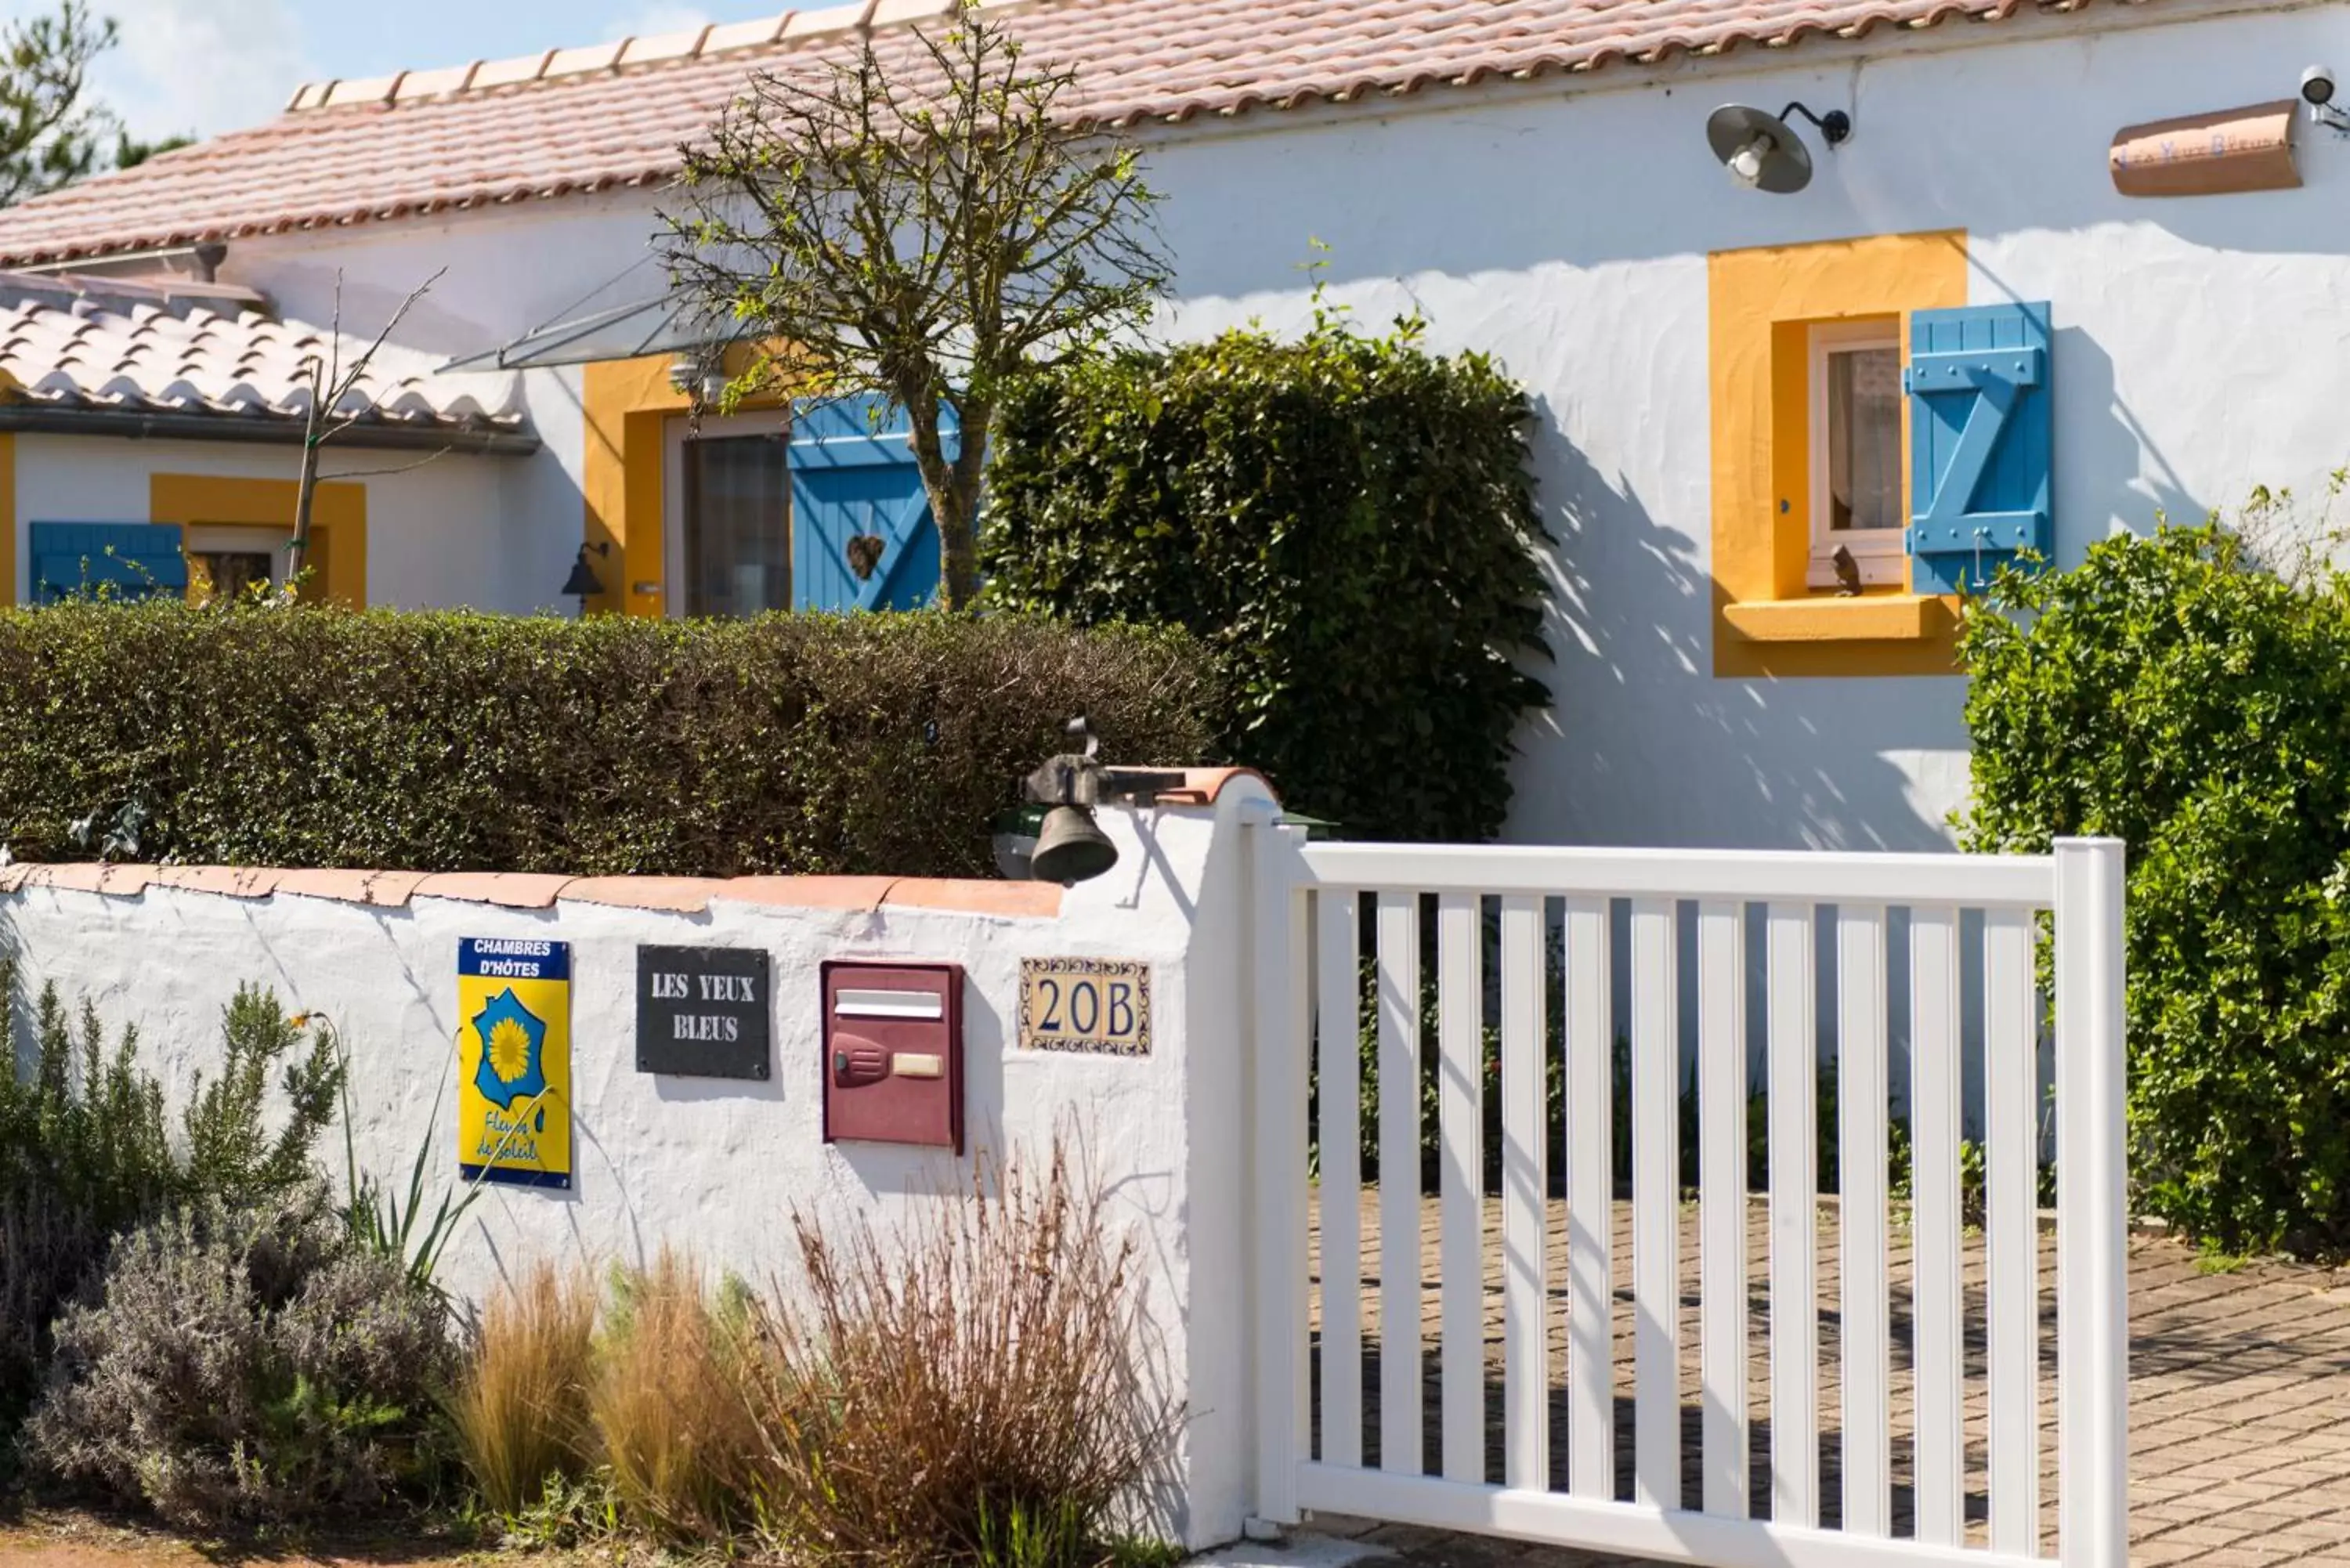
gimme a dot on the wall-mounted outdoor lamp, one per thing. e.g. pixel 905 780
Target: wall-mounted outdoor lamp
pixel 1762 151
pixel 583 583
pixel 2317 85
pixel 1071 847
pixel 701 374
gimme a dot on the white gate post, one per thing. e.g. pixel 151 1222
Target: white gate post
pixel 2092 1202
pixel 1277 972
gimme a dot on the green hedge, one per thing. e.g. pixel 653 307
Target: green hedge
pixel 446 742
pixel 2170 692
pixel 1350 522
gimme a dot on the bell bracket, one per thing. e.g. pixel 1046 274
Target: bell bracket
pixel 1080 778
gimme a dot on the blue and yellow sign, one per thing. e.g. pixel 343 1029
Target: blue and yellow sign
pixel 513 1061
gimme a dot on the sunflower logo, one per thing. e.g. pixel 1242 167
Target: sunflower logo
pixel 509 1050
pixel 512 1065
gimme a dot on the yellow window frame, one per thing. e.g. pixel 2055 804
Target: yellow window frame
pixel 1762 305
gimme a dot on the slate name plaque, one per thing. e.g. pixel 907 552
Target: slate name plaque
pixel 704 1012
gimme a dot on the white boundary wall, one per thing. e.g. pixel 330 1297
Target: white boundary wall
pixel 718 1165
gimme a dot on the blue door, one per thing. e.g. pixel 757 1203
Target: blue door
pixel 125 560
pixel 862 535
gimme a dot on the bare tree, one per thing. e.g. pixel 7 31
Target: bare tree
pixel 330 383
pixel 919 226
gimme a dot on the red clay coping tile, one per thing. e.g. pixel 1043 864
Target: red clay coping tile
pixel 1028 899
pixel 684 895
pixel 232 881
pixel 361 159
pixel 388 889
pixel 513 889
pixel 1202 785
pixel 810 892
pixel 535 890
pixel 126 881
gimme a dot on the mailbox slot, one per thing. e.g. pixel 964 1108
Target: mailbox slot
pixel 893 1052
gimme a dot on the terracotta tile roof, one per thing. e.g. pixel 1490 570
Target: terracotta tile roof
pixel 613 115
pixel 167 345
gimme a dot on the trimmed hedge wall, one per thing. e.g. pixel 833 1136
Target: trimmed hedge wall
pixel 318 737
pixel 1348 522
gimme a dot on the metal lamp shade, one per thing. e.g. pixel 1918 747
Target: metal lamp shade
pixel 582 582
pixel 1786 166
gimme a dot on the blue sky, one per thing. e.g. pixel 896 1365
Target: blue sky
pixel 209 66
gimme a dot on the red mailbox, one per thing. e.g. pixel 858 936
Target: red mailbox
pixel 893 1052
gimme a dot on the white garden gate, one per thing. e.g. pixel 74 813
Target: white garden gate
pixel 1918 1426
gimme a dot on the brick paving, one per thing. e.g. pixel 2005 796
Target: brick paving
pixel 2240 1395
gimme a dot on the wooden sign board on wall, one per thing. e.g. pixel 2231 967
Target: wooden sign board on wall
pixel 2208 154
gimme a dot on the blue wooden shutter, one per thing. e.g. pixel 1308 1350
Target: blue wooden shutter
pixel 131 560
pixel 1981 442
pixel 853 474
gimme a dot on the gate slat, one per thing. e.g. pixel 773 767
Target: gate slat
pixel 1934 1107
pixel 1722 1204
pixel 1794 1051
pixel 1863 1097
pixel 1525 1102
pixel 1461 1140
pixel 1399 1325
pixel 1590 1204
pixel 1656 1208
pixel 2012 1231
pixel 1336 923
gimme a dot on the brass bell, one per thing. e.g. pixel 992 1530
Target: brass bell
pixel 1071 847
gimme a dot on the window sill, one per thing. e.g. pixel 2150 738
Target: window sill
pixel 1872 617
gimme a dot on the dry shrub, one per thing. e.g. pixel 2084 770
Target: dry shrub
pixel 969 1391
pixel 520 1412
pixel 670 1419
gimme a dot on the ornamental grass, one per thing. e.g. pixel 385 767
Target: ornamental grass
pixel 520 1412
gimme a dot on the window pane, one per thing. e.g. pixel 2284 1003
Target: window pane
pixel 738 534
pixel 1865 439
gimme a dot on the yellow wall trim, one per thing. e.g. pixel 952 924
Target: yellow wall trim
pixel 627 404
pixel 337 521
pixel 1761 304
pixel 1873 617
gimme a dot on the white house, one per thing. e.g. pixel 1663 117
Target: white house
pixel 1717 366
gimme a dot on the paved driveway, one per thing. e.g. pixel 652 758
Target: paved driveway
pixel 2239 1396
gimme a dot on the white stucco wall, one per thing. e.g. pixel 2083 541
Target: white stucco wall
pixel 2198 352
pixel 1564 227
pixel 719 1166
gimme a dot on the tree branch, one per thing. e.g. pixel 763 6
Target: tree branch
pixel 919 226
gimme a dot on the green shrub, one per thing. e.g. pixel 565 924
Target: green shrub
pixel 246 735
pixel 2171 692
pixel 1348 522
pixel 86 1152
pixel 246 1365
